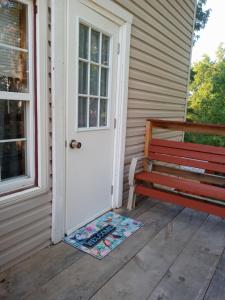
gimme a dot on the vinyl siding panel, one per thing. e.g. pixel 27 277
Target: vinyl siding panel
pixel 25 226
pixel 161 39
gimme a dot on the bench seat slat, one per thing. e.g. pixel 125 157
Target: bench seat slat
pixel 187 162
pixel 180 200
pixel 189 146
pixel 184 185
pixel 199 177
pixel 188 154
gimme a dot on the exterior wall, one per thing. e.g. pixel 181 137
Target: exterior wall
pixel 25 226
pixel 159 68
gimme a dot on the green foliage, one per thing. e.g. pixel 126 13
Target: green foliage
pixel 207 101
pixel 202 17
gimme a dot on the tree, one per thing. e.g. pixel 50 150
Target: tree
pixel 207 101
pixel 201 20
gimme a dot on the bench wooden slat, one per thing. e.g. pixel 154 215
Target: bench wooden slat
pixel 207 178
pixel 188 127
pixel 188 162
pixel 188 154
pixel 184 185
pixel 189 146
pixel 180 200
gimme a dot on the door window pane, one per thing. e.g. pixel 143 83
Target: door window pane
pixel 105 49
pixel 12 159
pixel 103 112
pixel 82 112
pixel 94 79
pixel 12 119
pixel 93 112
pixel 13 24
pixel 104 82
pixel 95 39
pixel 13 70
pixel 83 77
pixel 83 41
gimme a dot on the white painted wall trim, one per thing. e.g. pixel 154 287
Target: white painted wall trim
pixel 189 71
pixel 58 69
pixel 121 113
pixel 123 19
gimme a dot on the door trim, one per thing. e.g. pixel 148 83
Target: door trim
pixel 123 19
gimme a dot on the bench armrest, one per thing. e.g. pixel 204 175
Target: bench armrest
pixel 133 166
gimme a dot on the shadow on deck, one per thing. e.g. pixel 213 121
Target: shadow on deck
pixel 178 254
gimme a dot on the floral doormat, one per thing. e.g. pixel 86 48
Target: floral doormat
pixel 102 235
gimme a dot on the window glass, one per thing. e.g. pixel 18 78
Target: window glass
pixel 93 79
pixel 95 39
pixel 14 50
pixel 93 112
pixel 83 77
pixel 12 119
pixel 82 113
pixel 105 49
pixel 12 159
pixel 13 70
pixel 103 112
pixel 104 82
pixel 83 41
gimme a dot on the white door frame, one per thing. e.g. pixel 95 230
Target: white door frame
pixel 123 19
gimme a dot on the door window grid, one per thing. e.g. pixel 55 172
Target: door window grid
pixel 93 95
pixel 16 97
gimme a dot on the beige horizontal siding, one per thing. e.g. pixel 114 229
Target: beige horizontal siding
pixel 23 227
pixel 161 39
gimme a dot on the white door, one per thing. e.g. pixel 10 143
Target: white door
pixel 91 98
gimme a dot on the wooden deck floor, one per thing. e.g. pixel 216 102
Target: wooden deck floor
pixel 179 254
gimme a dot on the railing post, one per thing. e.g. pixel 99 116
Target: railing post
pixel 148 138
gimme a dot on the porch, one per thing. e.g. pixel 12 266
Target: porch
pixel 178 254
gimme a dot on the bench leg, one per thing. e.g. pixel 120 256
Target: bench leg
pixel 134 200
pixel 131 198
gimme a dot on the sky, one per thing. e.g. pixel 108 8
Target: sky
pixel 214 32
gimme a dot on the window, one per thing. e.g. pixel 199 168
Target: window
pixel 93 95
pixel 17 116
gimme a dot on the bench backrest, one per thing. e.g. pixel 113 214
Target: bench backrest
pixel 209 158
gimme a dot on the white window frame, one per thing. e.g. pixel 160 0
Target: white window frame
pixel 12 184
pixel 42 105
pixel 123 19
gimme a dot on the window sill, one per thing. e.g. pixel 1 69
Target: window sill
pixel 16 197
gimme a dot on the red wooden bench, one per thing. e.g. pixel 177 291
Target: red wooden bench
pixel 187 174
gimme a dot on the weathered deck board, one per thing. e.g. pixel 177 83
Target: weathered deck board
pixel 36 270
pixel 177 255
pixel 82 279
pixel 40 268
pixel 216 290
pixel 190 276
pixel 139 277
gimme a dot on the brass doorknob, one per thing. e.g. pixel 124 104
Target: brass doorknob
pixel 75 144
